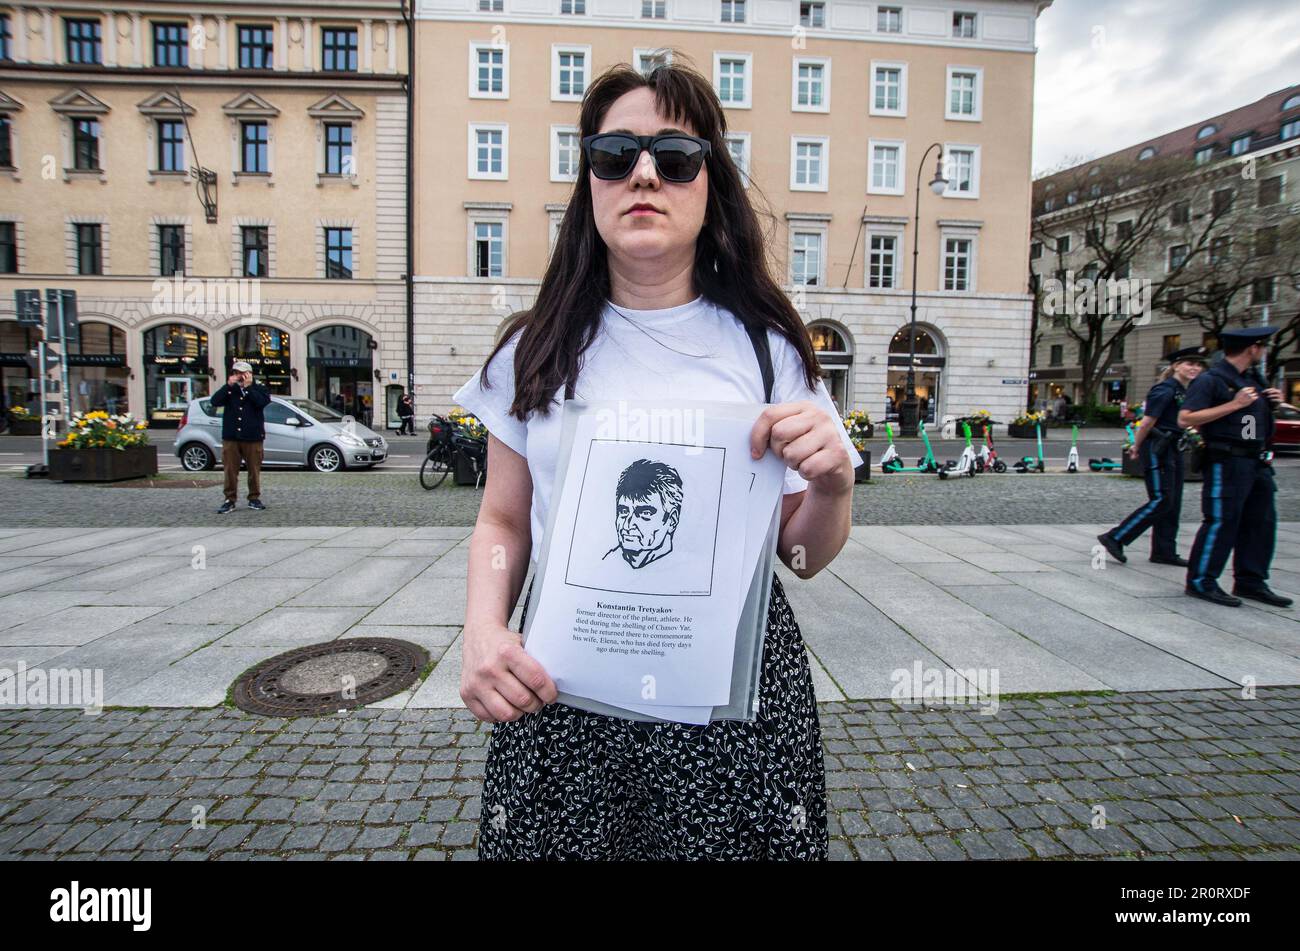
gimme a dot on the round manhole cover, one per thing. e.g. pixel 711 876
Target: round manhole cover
pixel 326 678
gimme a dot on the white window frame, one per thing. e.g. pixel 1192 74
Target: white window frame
pixel 556 50
pixel 744 22
pixel 975 24
pixel 744 138
pixel 748 59
pixel 882 230
pixel 875 23
pixel 872 109
pixel 639 51
pixel 474 92
pixel 556 175
pixel 823 183
pixel 872 145
pixel 950 191
pixel 813 227
pixel 978 114
pixel 555 218
pixel 825 63
pixel 472 165
pixel 972 261
pixel 479 218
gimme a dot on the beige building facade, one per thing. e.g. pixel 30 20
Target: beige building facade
pixel 291 253
pixel 830 107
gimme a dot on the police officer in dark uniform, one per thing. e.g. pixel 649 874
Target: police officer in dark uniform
pixel 1157 444
pixel 1232 407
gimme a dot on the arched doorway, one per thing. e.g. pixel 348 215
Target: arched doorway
pixel 176 370
pixel 836 360
pixel 266 349
pixel 340 370
pixel 929 365
pixel 97 371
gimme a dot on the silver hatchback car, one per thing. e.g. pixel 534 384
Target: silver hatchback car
pixel 299 432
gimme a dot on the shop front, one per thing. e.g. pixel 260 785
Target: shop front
pixel 98 377
pixel 927 373
pixel 340 371
pixel 16 341
pixel 176 370
pixel 836 361
pixel 264 348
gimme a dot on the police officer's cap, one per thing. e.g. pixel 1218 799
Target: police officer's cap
pixel 1243 337
pixel 1188 353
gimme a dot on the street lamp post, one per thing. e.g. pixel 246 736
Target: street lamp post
pixel 909 412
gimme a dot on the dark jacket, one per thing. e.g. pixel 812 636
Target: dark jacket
pixel 243 420
pixel 405 409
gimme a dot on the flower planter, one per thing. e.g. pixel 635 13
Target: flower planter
pixel 103 465
pixel 24 427
pixel 1023 432
pixel 863 472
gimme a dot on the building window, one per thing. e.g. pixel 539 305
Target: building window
pixel 1049 204
pixel 1289 130
pixel 732 74
pixel 1263 290
pixel 738 146
pixel 1221 202
pixel 1146 153
pixel 256 47
pixel 253 250
pixel 491 6
pixel 1204 155
pixel 1266 241
pixel 1063 244
pixel 964 88
pixel 812 15
pixel 1239 145
pixel 565 153
pixel 6 143
pixel 962 167
pixel 338 148
pixel 8 248
pixel 5 37
pixel 85 144
pixel 171 145
pixel 1123 230
pixel 1174 301
pixel 83 43
pixel 647 61
pixel 90 253
pixel 488 152
pixel 1180 213
pixel 805 258
pixel 570 71
pixel 963 26
pixel 488 248
pixel 573 7
pixel 886 168
pixel 1035 250
pixel 1177 256
pixel 338 46
pixel 888 89
pixel 1220 249
pixel 733 11
pixel 889 19
pixel 882 263
pixel 489 72
pixel 654 9
pixel 1170 343
pixel 171 250
pixel 956 264
pixel 811 82
pixel 1092 237
pixel 254 138
pixel 338 253
pixel 171 44
pixel 1057 355
pixel 808 164
pixel 1205 131
pixel 1270 191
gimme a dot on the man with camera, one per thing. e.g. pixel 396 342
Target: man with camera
pixel 243 431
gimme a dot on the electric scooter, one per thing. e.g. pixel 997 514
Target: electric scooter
pixel 1107 464
pixel 966 464
pixel 987 458
pixel 1029 463
pixel 892 462
pixel 1072 463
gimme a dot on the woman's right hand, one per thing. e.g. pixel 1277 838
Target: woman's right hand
pixel 498 680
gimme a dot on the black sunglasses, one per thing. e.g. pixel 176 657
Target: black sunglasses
pixel 678 157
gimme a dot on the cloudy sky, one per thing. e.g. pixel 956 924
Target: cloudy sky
pixel 1114 72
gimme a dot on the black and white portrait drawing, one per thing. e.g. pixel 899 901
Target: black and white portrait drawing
pixel 647 518
pixel 647 509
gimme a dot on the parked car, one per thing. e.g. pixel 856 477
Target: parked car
pixel 299 432
pixel 1286 430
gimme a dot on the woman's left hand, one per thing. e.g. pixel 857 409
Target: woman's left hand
pixel 808 440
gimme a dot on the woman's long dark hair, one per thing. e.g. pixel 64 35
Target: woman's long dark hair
pixel 731 266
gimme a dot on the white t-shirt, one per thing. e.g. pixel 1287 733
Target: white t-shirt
pixel 630 358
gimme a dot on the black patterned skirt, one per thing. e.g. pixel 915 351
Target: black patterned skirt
pixel 564 783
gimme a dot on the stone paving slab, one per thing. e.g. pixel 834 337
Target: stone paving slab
pixel 1150 776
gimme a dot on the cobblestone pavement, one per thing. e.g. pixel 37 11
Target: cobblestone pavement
pixel 395 498
pixel 1203 774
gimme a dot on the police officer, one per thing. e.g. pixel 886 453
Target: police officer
pixel 1156 443
pixel 243 431
pixel 1232 407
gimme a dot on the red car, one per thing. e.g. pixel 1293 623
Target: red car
pixel 1286 429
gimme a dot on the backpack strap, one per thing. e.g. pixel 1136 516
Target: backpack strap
pixel 758 337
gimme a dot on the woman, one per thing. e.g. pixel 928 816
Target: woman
pixel 657 272
pixel 1156 443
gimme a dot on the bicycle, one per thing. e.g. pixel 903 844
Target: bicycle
pixel 439 455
